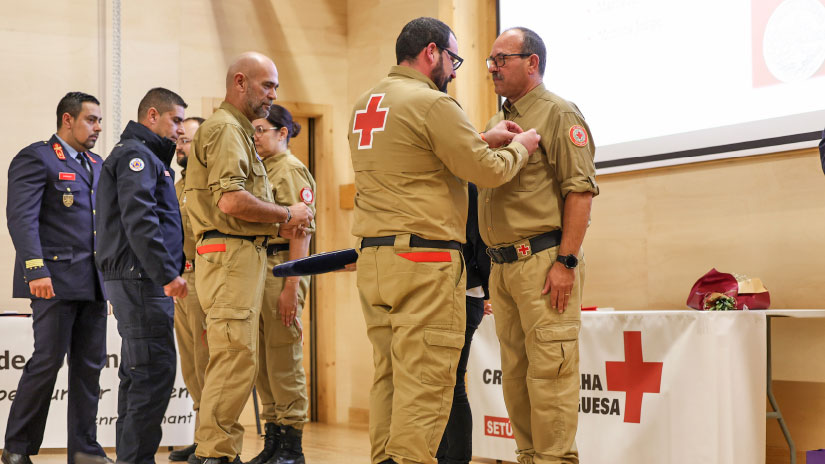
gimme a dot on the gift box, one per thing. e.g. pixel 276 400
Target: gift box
pixel 746 291
pixel 815 456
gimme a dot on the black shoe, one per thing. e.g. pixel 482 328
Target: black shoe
pixel 289 446
pixel 183 454
pixel 194 459
pixel 83 458
pixel 220 460
pixel 14 458
pixel 270 444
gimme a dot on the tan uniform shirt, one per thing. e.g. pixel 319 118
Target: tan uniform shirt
pixel 411 147
pixel 224 159
pixel 291 183
pixel 188 236
pixel 533 202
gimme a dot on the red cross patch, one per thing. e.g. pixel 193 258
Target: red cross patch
pixel 578 136
pixel 188 266
pixel 523 249
pixel 371 119
pixel 307 196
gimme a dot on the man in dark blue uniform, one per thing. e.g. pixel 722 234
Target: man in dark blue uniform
pixel 49 212
pixel 142 261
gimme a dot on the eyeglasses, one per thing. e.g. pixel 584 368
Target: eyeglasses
pixel 260 130
pixel 457 60
pixel 183 141
pixel 501 59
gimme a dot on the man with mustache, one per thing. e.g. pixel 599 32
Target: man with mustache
pixel 535 225
pixel 411 146
pixel 190 323
pixel 229 201
pixel 49 213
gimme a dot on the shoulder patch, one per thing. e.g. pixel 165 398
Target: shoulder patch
pixel 578 136
pixel 136 164
pixel 307 196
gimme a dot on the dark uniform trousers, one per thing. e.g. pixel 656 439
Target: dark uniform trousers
pixel 147 366
pixel 61 327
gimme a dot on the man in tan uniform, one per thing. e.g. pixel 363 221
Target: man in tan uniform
pixel 190 324
pixel 535 225
pixel 411 147
pixel 229 201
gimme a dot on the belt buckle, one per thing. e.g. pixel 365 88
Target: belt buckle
pixel 494 254
pixel 523 249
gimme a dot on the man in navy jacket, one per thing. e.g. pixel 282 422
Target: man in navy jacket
pixel 49 213
pixel 142 260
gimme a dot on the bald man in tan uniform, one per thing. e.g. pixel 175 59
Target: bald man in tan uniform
pixel 229 200
pixel 411 147
pixel 534 225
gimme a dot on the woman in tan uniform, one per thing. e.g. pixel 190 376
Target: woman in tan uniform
pixel 281 382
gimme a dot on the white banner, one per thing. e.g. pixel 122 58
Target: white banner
pixel 16 345
pixel 656 386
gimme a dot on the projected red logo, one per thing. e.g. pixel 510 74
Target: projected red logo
pixel 497 427
pixel 786 41
pixel 633 376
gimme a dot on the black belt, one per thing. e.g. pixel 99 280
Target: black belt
pixel 511 253
pixel 218 234
pixel 277 248
pixel 415 241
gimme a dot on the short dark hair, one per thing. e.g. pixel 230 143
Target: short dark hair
pixel 160 99
pixel 419 33
pixel 281 117
pixel 72 103
pixel 533 45
pixel 197 119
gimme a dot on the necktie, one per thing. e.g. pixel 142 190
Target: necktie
pixel 84 162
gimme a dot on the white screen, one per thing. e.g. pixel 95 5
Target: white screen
pixel 710 78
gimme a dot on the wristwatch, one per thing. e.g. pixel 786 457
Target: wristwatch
pixel 569 261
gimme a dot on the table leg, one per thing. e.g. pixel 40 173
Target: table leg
pixel 777 414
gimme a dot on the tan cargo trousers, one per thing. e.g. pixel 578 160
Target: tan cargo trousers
pixel 281 381
pixel 190 331
pixel 230 280
pixel 539 358
pixel 413 303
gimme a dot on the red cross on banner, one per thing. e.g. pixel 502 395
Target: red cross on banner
pixel 369 120
pixel 633 376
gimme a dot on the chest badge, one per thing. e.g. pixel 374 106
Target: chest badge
pixel 58 150
pixel 371 119
pixel 578 136
pixel 524 249
pixel 68 199
pixel 307 196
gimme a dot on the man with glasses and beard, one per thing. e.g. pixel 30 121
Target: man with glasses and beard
pixel 230 204
pixel 190 323
pixel 411 146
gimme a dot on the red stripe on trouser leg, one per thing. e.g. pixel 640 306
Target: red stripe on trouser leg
pixel 427 256
pixel 211 248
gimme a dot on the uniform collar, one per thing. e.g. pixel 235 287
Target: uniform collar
pixel 242 120
pixel 411 73
pixel 69 150
pixel 524 103
pixel 162 147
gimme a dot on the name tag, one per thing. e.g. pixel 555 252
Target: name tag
pixel 66 176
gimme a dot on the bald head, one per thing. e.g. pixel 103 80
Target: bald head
pixel 251 82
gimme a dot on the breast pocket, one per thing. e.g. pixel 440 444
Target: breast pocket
pixel 533 174
pixel 67 193
pixel 260 187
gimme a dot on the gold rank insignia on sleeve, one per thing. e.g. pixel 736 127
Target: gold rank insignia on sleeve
pixel 33 263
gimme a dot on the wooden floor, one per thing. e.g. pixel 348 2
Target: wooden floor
pixel 323 444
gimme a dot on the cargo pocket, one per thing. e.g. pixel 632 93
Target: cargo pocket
pixel 441 358
pixel 229 329
pixel 554 351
